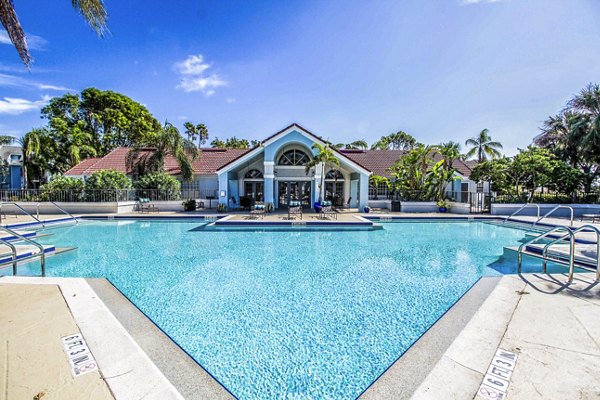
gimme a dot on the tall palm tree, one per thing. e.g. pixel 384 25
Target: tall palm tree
pixel 194 132
pixel 92 11
pixel 150 156
pixel 483 146
pixel 324 157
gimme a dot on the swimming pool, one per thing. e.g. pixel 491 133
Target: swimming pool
pixel 285 314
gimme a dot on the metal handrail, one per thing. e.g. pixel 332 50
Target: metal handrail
pixel 555 229
pixel 575 232
pixel 22 209
pixel 522 208
pixel 25 239
pixel 554 209
pixel 37 211
pixel 13 250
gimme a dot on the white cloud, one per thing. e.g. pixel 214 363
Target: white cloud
pixel 230 100
pixel 193 78
pixel 14 106
pixel 17 81
pixel 34 42
pixel 193 65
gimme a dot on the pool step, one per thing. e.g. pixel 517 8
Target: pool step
pixel 24 252
pixel 585 254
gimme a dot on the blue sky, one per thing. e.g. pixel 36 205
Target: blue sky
pixel 439 69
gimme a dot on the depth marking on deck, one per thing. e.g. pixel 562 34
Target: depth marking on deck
pixel 80 357
pixel 496 380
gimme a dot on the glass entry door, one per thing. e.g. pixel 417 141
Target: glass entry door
pixel 294 191
pixel 255 190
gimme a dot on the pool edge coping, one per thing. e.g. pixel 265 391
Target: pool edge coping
pixel 188 377
pixel 406 374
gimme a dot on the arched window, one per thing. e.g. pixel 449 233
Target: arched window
pixel 253 174
pixel 334 174
pixel 294 157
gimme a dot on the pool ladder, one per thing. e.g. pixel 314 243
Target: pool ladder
pixel 15 236
pixel 561 233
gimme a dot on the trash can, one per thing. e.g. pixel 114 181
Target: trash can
pixel 395 206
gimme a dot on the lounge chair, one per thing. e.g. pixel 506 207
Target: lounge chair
pixel 258 211
pixel 327 212
pixel 593 217
pixel 294 210
pixel 145 204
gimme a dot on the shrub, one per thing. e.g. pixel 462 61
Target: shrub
pixel 107 185
pixel 158 186
pixel 62 188
pixel 189 205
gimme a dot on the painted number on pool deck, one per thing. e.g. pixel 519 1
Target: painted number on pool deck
pixel 495 382
pixel 79 354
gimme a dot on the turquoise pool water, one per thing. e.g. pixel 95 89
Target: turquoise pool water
pixel 288 315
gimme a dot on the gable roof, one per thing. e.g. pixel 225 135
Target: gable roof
pixel 294 126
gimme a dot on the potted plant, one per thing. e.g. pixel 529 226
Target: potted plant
pixel 367 209
pixel 189 205
pixel 443 205
pixel 221 208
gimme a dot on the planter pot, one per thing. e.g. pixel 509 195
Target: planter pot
pixel 443 209
pixel 367 210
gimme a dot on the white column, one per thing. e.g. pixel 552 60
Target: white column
pixel 269 176
pixel 363 190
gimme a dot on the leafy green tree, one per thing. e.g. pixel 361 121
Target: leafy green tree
pixel 410 173
pixel 92 11
pixel 110 118
pixel 574 134
pixel 395 141
pixel 497 172
pixel 158 185
pixel 324 158
pixel 62 188
pixel 199 132
pixel 483 147
pixel 7 140
pixel 107 185
pixel 356 145
pixel 231 143
pixel 149 156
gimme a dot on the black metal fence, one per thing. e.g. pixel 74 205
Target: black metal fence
pixel 104 195
pixel 549 198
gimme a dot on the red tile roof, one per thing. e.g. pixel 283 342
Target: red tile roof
pixel 209 161
pixel 80 168
pixel 379 161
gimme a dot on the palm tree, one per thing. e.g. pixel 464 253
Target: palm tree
pixel 92 11
pixel 196 131
pixel 483 146
pixel 31 145
pixel 150 157
pixel 450 151
pixel 77 147
pixel 323 158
